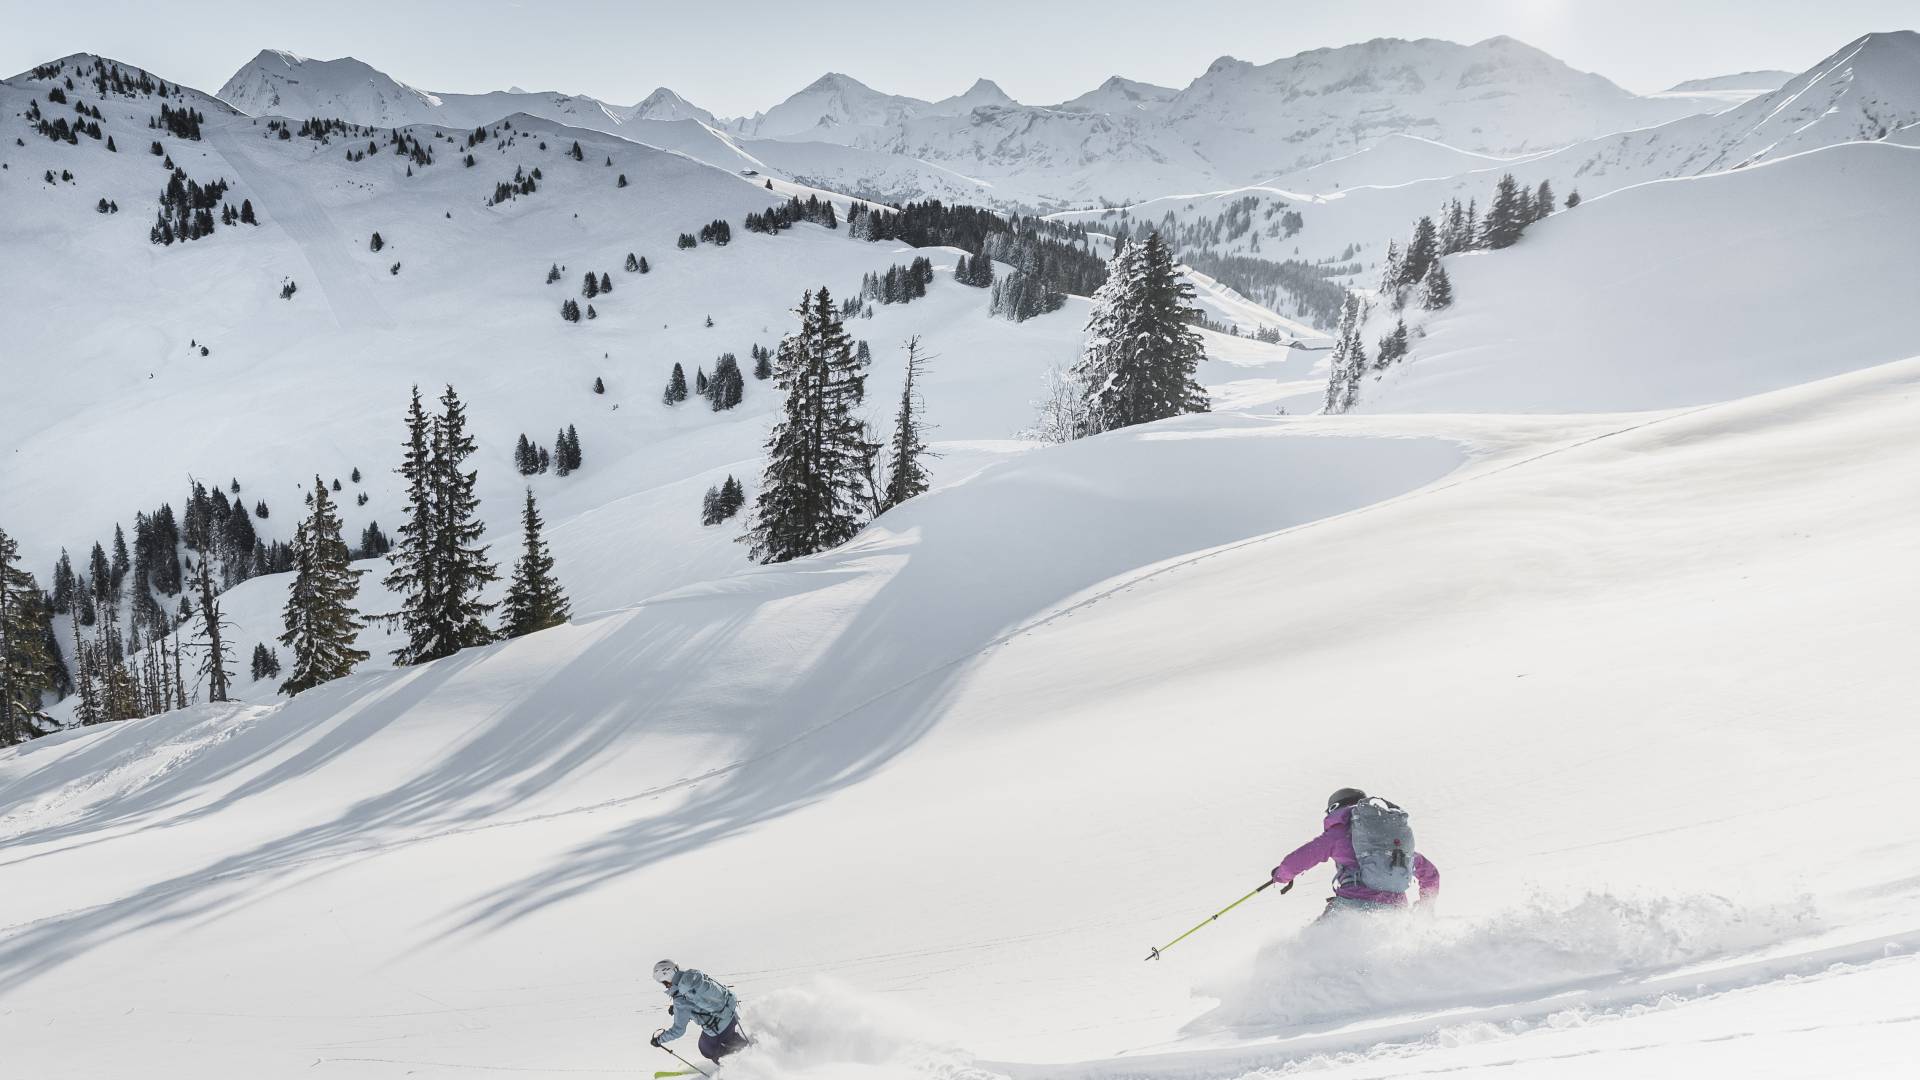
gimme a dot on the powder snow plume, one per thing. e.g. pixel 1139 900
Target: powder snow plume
pixel 826 1029
pixel 1368 966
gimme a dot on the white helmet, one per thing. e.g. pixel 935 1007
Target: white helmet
pixel 666 971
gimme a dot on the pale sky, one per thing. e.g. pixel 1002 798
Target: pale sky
pixel 736 56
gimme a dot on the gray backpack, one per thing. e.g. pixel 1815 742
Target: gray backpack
pixel 1382 845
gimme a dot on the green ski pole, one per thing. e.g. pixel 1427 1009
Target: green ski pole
pixel 1155 954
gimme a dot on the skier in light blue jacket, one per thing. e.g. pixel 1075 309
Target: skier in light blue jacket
pixel 698 998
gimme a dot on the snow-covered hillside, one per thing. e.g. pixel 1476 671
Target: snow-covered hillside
pixel 1610 580
pixel 467 866
pixel 1678 292
pixel 468 305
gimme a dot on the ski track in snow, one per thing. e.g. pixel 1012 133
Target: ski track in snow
pixel 349 296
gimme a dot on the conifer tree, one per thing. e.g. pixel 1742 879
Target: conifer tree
pixel 1504 217
pixel 265 663
pixel 676 391
pixel 320 620
pixel 448 615
pixel 1142 353
pixel 907 469
pixel 633 264
pixel 24 661
pixel 63 584
pixel 1573 198
pixel 534 600
pixel 1543 201
pixel 818 454
pixel 1422 250
pixel 413 554
pixel 1439 289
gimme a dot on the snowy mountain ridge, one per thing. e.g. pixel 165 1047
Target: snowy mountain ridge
pixel 1237 123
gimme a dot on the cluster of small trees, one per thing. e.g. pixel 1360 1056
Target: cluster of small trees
pixel 824 476
pixel 899 284
pixel 1509 212
pixel 186 209
pixel 974 270
pixel 1417 272
pixel 715 232
pixel 523 183
pixel 637 265
pixel 762 358
pixel 723 390
pixel 570 310
pixel 183 123
pixel 532 459
pixel 1020 296
pixel 722 501
pixel 793 211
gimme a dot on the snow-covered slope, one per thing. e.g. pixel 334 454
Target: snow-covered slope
pixel 1680 292
pixel 1866 90
pixel 1395 159
pixel 468 305
pixel 468 866
pixel 1733 89
pixel 1349 208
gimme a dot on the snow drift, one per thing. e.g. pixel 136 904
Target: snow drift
pixel 1352 968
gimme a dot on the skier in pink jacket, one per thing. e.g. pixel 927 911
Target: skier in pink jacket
pixel 1370 856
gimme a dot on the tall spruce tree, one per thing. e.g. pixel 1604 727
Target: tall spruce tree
pixel 412 555
pixel 1504 218
pixel 534 600
pixel 907 469
pixel 321 622
pixel 1439 289
pixel 1142 352
pixel 1422 250
pixel 439 566
pixel 818 454
pixel 24 663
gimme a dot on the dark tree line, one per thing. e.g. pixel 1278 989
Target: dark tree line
pixel 1057 257
pixel 792 212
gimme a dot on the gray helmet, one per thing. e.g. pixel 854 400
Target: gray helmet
pixel 666 971
pixel 1346 796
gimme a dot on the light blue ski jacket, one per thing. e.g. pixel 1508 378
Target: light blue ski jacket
pixel 698 998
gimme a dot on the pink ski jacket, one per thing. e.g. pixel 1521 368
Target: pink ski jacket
pixel 1335 843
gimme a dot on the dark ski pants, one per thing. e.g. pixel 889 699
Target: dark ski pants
pixel 1342 907
pixel 715 1047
